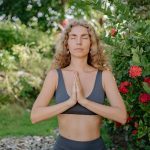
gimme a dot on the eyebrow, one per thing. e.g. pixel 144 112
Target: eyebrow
pixel 76 35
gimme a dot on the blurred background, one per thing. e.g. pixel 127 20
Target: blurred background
pixel 28 33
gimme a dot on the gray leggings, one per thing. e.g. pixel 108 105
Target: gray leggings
pixel 63 143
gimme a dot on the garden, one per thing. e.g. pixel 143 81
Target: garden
pixel 28 33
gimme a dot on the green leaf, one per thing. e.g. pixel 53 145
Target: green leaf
pixel 145 107
pixel 135 56
pixel 149 134
pixel 142 130
pixel 146 87
pixel 146 70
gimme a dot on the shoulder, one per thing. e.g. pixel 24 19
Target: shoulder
pixel 107 77
pixel 52 74
pixel 107 74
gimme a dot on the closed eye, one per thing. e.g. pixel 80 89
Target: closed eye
pixel 82 37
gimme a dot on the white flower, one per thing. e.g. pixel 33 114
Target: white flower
pixel 29 7
pixel 40 14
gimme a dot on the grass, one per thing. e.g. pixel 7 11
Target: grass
pixel 15 121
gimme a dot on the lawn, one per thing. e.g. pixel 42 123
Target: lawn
pixel 15 121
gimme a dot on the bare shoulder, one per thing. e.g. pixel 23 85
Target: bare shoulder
pixel 107 77
pixel 107 74
pixel 52 75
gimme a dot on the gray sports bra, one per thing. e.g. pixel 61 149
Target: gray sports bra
pixel 97 95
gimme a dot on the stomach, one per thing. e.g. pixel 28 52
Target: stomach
pixel 79 127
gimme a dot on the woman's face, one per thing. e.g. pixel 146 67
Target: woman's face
pixel 79 41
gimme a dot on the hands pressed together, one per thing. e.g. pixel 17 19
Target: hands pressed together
pixel 77 94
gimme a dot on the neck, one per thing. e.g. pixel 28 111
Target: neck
pixel 79 64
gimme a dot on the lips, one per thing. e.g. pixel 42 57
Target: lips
pixel 79 49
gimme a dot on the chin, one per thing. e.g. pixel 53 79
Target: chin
pixel 80 55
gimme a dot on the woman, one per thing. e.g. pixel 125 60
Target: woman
pixel 80 78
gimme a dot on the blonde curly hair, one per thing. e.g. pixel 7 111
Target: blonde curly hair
pixel 96 57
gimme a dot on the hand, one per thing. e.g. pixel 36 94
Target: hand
pixel 73 97
pixel 79 90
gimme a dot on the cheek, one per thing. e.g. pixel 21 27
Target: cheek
pixel 87 44
pixel 71 43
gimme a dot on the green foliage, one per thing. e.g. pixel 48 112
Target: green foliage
pixel 130 47
pixel 25 52
pixel 41 14
pixel 25 57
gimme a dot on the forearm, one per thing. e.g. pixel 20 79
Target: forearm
pixel 43 113
pixel 109 112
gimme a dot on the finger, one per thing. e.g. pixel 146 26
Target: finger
pixel 78 86
pixel 78 81
pixel 74 83
pixel 75 80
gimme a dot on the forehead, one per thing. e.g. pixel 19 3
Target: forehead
pixel 78 30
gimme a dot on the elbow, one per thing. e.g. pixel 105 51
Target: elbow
pixel 123 119
pixel 32 118
pixel 33 121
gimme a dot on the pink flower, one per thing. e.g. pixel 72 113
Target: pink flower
pixel 135 71
pixel 144 97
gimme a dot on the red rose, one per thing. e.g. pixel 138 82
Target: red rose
pixel 134 132
pixel 144 97
pixel 147 80
pixel 113 32
pixel 125 83
pixel 135 71
pixel 122 88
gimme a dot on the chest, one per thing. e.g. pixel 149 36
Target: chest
pixel 87 82
pixel 91 86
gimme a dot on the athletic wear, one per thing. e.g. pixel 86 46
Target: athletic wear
pixel 97 95
pixel 63 143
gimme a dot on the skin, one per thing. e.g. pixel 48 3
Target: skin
pixel 76 75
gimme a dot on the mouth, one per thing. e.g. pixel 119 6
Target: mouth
pixel 79 49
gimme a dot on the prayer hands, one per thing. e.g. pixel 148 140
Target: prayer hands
pixel 79 89
pixel 77 94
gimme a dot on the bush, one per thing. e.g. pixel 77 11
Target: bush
pixel 128 33
pixel 25 58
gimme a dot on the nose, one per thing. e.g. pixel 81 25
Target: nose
pixel 79 40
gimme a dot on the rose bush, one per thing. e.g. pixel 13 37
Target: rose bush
pixel 129 39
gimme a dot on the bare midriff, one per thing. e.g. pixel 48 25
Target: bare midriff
pixel 79 127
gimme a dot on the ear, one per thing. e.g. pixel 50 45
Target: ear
pixel 67 47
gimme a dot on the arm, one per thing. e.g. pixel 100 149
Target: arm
pixel 40 110
pixel 117 110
